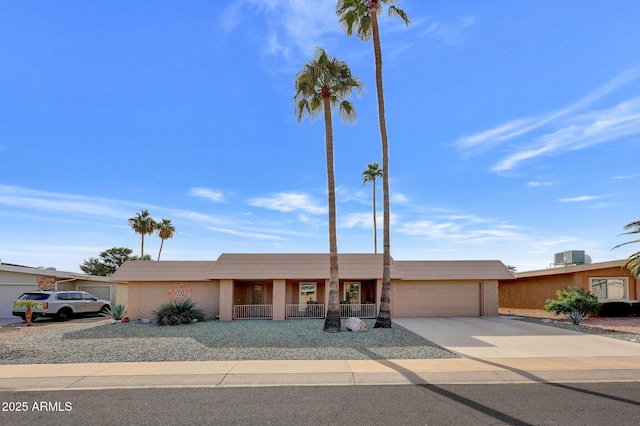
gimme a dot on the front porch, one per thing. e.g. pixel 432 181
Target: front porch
pixel 294 299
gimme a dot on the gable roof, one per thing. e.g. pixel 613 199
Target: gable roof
pixel 164 270
pixel 454 270
pixel 298 266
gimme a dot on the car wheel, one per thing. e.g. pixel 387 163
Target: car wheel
pixel 104 309
pixel 64 314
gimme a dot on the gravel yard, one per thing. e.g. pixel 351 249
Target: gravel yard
pixel 95 340
pixel 616 328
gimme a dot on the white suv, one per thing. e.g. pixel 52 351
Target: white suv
pixel 62 305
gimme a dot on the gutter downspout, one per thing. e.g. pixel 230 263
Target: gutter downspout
pixel 64 281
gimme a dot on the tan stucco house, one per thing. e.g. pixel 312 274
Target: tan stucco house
pixel 526 295
pixel 18 279
pixel 288 286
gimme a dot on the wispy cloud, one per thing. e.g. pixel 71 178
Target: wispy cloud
pixel 541 183
pixel 461 231
pixel 246 234
pixel 287 202
pixel 29 199
pixel 450 33
pixel 207 193
pixel 291 25
pixel 580 199
pixel 459 228
pixel 562 130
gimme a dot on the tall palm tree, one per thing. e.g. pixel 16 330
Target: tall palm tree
pixel 165 231
pixel 142 224
pixel 362 16
pixel 633 262
pixel 370 175
pixel 321 86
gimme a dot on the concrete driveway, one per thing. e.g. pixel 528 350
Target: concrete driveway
pixel 506 337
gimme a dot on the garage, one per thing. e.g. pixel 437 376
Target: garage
pixel 8 294
pixel 436 299
pixel 99 291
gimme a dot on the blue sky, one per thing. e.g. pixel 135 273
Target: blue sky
pixel 514 129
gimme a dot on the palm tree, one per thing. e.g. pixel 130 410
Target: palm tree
pixel 29 306
pixel 370 175
pixel 322 85
pixel 165 231
pixel 142 224
pixel 633 262
pixel 362 15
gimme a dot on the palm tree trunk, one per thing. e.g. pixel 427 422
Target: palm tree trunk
pixel 375 225
pixel 160 251
pixel 27 316
pixel 142 247
pixel 332 321
pixel 384 314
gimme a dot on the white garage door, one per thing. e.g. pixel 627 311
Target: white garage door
pixel 8 294
pixel 100 291
pixel 436 299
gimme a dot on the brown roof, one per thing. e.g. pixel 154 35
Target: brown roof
pixel 164 270
pixel 573 268
pixel 298 266
pixel 454 270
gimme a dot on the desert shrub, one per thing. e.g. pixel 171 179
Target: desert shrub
pixel 575 303
pixel 116 312
pixel 178 312
pixel 615 309
pixel 635 308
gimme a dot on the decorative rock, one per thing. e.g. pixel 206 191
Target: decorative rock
pixel 356 324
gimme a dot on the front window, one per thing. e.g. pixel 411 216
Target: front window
pixel 352 293
pixel 609 288
pixel 308 293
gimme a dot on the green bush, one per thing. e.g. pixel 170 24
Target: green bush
pixel 575 303
pixel 178 312
pixel 116 312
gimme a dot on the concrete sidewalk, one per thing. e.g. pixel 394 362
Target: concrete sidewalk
pixel 47 377
pixel 493 350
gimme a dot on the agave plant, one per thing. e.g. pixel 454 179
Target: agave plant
pixel 576 317
pixel 116 312
pixel 178 312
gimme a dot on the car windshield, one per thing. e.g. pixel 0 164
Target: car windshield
pixel 34 296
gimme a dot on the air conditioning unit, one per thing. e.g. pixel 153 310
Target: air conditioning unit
pixel 571 257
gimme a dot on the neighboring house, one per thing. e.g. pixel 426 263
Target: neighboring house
pixel 526 295
pixel 288 286
pixel 17 279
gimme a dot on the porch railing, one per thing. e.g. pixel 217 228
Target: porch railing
pixel 252 311
pixel 295 311
pixel 360 310
pixel 315 310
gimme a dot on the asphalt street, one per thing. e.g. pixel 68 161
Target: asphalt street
pixel 523 404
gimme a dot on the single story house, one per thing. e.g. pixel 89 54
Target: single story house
pixel 17 279
pixel 527 294
pixel 288 286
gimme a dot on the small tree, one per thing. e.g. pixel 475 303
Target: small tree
pixel 575 303
pixel 108 261
pixel 29 305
